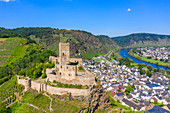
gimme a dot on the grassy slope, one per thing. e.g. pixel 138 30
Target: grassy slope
pixel 43 102
pixel 23 108
pixel 40 100
pixel 12 50
pixel 153 61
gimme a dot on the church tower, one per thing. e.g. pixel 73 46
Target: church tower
pixel 64 53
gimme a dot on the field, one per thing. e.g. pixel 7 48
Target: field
pixel 153 61
pixel 3 39
pixel 100 60
pixel 88 56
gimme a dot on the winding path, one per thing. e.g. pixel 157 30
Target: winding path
pixel 50 102
pixel 33 106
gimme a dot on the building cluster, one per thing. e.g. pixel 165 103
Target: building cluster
pixel 116 78
pixel 154 52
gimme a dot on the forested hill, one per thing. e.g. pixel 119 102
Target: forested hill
pixel 142 39
pixel 81 41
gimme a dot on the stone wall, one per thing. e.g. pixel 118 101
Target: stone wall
pixel 67 72
pixel 26 82
pixel 61 91
pixel 88 79
pixel 52 90
pixel 79 60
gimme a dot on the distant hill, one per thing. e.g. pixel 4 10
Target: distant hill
pixel 80 41
pixel 142 39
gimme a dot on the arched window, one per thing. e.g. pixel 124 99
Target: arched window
pixel 60 73
pixel 63 54
pixel 61 66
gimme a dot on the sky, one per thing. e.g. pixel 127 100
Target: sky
pixel 100 17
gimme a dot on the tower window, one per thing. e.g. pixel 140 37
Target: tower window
pixel 63 54
pixel 60 73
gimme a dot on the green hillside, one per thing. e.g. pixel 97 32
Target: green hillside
pixel 7 48
pixel 142 40
pixel 80 41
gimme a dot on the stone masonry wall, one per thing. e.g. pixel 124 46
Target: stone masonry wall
pixel 53 90
pixel 67 72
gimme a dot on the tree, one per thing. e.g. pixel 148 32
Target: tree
pixel 168 87
pixel 166 60
pixel 142 71
pixel 162 71
pixel 44 75
pixel 149 74
pixel 149 67
pixel 128 89
pixel 168 72
pixel 119 90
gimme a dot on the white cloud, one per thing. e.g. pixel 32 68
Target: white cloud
pixel 7 0
pixel 128 9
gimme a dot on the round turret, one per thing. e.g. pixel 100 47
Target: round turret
pixel 27 84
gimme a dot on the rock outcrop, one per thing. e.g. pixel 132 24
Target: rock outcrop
pixel 98 99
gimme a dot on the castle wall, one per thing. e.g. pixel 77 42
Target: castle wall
pixel 26 82
pixel 67 72
pixel 53 90
pixel 79 60
pixel 61 91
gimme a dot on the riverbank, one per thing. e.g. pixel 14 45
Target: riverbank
pixel 153 61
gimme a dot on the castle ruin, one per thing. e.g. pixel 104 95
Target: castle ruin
pixel 67 70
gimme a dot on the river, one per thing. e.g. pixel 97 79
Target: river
pixel 124 53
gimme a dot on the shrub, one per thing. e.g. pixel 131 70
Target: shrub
pixel 44 75
pixel 54 81
pixel 79 86
pixel 66 85
pixel 59 84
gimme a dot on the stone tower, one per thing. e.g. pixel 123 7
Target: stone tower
pixel 64 53
pixel 27 84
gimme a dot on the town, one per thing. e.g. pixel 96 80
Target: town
pixel 157 53
pixel 129 87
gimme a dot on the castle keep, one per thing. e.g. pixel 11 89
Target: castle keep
pixel 68 70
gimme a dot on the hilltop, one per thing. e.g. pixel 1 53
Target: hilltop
pixel 81 41
pixel 142 39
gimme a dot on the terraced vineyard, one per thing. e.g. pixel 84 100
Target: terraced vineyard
pixel 8 88
pixel 6 48
pixel 11 49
